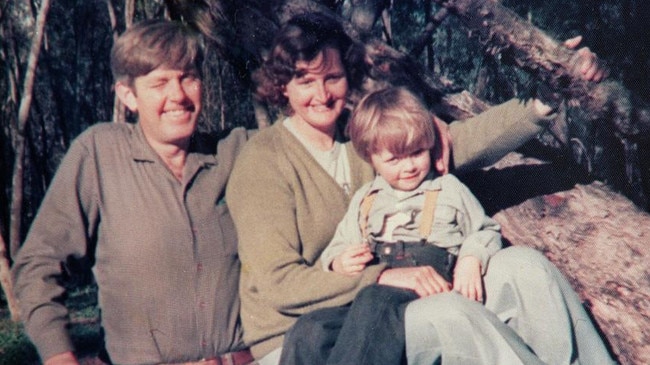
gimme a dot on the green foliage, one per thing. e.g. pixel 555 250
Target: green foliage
pixel 16 349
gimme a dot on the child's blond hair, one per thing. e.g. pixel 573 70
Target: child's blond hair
pixel 394 119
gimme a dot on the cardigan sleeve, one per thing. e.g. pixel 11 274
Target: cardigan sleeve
pixel 484 139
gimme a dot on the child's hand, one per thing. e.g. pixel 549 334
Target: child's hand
pixel 467 278
pixel 353 260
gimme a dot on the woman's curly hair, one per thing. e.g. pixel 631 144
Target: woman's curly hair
pixel 302 39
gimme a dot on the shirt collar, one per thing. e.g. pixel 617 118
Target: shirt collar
pixel 201 151
pixel 430 182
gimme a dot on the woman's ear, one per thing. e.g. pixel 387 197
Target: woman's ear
pixel 126 94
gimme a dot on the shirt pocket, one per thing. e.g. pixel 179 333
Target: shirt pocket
pixel 446 232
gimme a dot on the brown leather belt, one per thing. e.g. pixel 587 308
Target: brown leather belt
pixel 243 357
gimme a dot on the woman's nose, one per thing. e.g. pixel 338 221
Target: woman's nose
pixel 322 93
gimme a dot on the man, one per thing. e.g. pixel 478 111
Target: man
pixel 143 202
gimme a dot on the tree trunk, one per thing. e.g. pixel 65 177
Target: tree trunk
pixel 6 282
pixel 23 116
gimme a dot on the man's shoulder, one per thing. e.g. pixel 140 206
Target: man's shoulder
pixel 106 130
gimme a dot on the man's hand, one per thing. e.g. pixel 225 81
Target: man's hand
pixel 467 278
pixel 423 280
pixel 585 63
pixel 353 260
pixel 66 358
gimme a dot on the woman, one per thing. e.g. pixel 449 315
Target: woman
pixel 291 186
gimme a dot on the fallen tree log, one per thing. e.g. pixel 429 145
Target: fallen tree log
pixel 598 238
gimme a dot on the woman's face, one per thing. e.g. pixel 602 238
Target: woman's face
pixel 317 94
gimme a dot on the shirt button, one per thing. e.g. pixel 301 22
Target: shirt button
pixel 199 267
pixel 202 304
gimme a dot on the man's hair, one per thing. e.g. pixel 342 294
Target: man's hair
pixel 153 43
pixel 303 38
pixel 394 119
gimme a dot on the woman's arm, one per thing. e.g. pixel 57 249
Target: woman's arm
pixel 278 250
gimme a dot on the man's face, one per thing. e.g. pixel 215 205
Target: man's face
pixel 403 173
pixel 168 103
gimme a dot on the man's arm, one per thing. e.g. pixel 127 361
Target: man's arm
pixel 60 230
pixel 486 138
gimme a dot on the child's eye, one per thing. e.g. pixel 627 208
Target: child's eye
pixel 392 161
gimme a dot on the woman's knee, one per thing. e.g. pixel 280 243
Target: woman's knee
pixel 317 325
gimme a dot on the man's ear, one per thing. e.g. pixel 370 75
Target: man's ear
pixel 126 95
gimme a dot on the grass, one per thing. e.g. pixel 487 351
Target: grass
pixel 16 349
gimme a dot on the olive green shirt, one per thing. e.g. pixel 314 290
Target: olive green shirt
pixel 164 251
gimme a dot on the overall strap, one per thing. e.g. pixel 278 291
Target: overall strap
pixel 426 222
pixel 364 212
pixel 428 211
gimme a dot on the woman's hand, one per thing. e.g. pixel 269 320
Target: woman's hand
pixel 444 152
pixel 423 280
pixel 467 278
pixel 353 260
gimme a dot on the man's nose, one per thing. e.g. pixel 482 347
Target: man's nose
pixel 175 90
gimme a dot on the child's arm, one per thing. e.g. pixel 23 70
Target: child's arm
pixel 352 260
pixel 347 232
pixel 481 240
pixel 467 278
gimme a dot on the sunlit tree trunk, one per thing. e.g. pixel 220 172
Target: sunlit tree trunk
pixel 19 146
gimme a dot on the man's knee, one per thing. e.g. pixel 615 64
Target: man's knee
pixel 512 261
pixel 441 308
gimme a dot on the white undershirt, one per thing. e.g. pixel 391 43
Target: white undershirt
pixel 335 161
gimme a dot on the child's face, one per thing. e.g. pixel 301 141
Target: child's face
pixel 403 173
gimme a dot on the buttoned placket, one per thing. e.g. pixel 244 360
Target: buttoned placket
pixel 192 168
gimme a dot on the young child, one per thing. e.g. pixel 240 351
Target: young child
pixel 409 215
pixel 409 205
